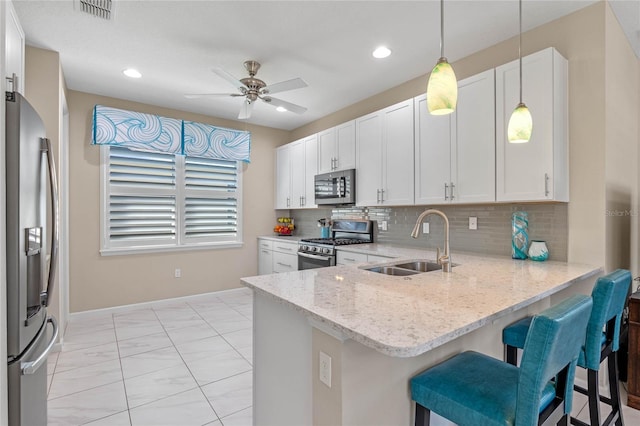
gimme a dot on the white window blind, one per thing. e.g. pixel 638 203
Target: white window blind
pixel 154 201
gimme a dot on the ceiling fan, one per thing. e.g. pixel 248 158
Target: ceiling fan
pixel 253 88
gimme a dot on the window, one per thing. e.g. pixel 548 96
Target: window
pixel 157 202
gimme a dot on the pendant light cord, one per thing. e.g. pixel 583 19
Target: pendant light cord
pixel 442 28
pixel 520 47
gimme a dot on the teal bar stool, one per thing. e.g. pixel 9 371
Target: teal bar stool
pixel 603 338
pixel 472 389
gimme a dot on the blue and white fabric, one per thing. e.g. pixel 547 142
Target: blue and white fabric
pixel 152 133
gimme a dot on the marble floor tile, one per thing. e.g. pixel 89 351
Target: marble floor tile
pixel 76 341
pixel 227 326
pixel 141 314
pixel 83 378
pixel 179 323
pixel 217 367
pixel 68 360
pixel 142 344
pixel 159 384
pixel 83 407
pixel 230 395
pixel 247 354
pixel 89 325
pixel 241 418
pixel 184 409
pixel 203 348
pixel 149 362
pixel 241 339
pixel 138 329
pixel 189 334
pixel 120 419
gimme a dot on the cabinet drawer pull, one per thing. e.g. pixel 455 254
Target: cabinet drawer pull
pixel 285 248
pixel 284 264
pixel 349 259
pixel 266 251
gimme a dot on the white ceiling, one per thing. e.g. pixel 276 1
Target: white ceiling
pixel 327 43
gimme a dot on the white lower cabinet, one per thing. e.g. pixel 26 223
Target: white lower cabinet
pixel 348 258
pixel 277 256
pixel 265 257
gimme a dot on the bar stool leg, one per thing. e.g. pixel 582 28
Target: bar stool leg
pixel 511 354
pixel 614 392
pixel 594 397
pixel 423 416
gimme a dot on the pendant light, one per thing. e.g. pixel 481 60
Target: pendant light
pixel 520 123
pixel 442 89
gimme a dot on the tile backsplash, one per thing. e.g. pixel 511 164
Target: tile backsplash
pixel 547 222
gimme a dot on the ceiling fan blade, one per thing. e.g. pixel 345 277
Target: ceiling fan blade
pixel 202 95
pixel 284 104
pixel 245 111
pixel 231 79
pixel 296 83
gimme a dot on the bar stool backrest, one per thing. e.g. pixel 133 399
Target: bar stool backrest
pixel 552 346
pixel 609 296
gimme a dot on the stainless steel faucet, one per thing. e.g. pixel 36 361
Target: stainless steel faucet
pixel 445 259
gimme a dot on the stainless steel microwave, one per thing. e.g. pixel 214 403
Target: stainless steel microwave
pixel 336 188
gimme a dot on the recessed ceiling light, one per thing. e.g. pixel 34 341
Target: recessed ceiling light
pixel 381 52
pixel 281 109
pixel 133 73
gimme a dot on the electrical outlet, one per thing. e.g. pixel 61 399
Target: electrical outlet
pixel 325 369
pixel 384 225
pixel 425 228
pixel 473 223
pixel 177 273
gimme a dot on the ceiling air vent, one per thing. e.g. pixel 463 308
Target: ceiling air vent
pixel 97 8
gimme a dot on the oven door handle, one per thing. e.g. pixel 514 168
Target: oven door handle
pixel 313 256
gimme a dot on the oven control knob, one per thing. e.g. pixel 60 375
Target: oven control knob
pixel 326 250
pixel 312 248
pixel 304 248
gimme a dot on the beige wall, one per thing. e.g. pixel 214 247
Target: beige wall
pixel 579 37
pixel 102 281
pixel 621 112
pixel 44 88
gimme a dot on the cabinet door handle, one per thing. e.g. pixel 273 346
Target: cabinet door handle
pixel 335 165
pixel 266 251
pixel 288 202
pixel 546 184
pixel 382 195
pixel 452 187
pixel 377 196
pixel 446 191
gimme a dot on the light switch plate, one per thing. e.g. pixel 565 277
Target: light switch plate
pixel 425 228
pixel 473 222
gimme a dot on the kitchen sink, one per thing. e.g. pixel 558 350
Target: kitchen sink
pixel 407 268
pixel 420 266
pixel 390 270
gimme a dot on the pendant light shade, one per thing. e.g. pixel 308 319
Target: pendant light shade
pixel 520 124
pixel 442 88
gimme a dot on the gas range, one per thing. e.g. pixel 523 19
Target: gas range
pixel 318 252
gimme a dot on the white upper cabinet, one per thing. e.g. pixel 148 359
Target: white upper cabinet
pixel 14 43
pixel 283 177
pixel 455 154
pixel 537 170
pixel 296 167
pixel 337 148
pixel 384 152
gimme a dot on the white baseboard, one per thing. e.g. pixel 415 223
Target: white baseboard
pixel 94 313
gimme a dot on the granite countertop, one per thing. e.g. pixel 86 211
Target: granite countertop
pixel 407 316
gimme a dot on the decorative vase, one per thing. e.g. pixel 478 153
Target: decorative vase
pixel 519 235
pixel 538 251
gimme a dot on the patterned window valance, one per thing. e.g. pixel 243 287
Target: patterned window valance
pixel 152 133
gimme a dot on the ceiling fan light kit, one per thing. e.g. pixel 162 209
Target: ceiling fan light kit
pixel 253 88
pixel 520 123
pixel 442 88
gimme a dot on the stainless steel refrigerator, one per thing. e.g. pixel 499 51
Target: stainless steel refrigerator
pixel 31 263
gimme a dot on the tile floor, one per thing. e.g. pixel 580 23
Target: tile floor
pixel 183 362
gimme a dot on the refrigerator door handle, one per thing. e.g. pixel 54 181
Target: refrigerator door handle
pixel 46 147
pixel 33 366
